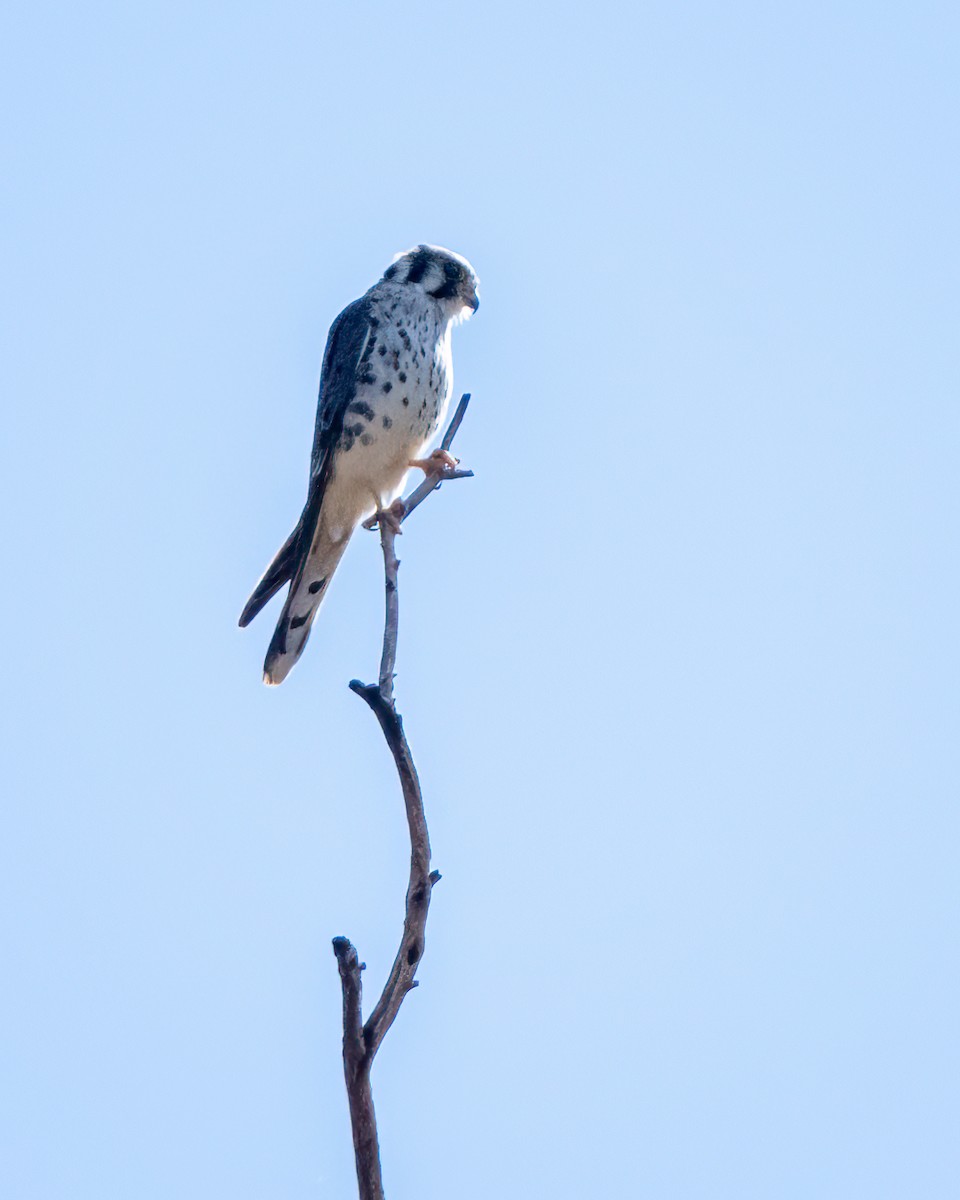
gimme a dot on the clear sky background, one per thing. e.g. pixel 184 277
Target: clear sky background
pixel 679 666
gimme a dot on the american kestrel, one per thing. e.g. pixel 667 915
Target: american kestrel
pixel 385 385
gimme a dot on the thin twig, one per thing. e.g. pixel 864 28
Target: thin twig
pixel 391 624
pixel 362 1040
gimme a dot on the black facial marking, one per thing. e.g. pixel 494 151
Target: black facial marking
pixel 316 586
pixel 391 271
pixel 418 266
pixel 445 291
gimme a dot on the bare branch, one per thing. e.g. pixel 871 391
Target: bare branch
pixel 429 485
pixel 361 1041
pixel 391 624
pixel 356 1070
pixel 455 422
pixel 420 885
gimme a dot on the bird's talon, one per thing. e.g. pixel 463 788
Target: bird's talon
pixel 391 517
pixel 438 461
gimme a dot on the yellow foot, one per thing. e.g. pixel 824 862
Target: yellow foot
pixel 391 517
pixel 437 462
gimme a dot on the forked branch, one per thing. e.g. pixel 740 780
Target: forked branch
pixel 361 1040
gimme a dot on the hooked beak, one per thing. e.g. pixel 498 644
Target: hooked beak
pixel 472 300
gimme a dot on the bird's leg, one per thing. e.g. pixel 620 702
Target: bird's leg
pixel 391 516
pixel 437 461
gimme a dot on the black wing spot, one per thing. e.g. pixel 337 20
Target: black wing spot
pixel 402 377
pixel 387 422
pixel 386 387
pixel 316 586
pixel 362 409
pixel 296 622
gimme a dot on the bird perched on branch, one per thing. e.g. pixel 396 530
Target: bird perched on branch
pixel 385 385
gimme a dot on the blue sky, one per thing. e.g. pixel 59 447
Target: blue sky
pixel 679 666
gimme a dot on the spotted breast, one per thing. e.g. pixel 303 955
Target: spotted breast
pixel 404 383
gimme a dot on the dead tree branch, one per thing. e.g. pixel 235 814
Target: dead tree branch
pixel 361 1040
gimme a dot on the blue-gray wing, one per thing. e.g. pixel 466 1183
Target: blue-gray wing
pixel 349 335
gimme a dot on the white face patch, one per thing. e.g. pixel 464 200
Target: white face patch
pixel 433 273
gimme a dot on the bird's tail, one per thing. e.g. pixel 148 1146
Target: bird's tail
pixel 281 570
pixel 310 585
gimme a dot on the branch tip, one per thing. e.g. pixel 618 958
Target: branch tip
pixel 343 948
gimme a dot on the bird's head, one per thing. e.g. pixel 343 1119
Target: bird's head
pixel 443 275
